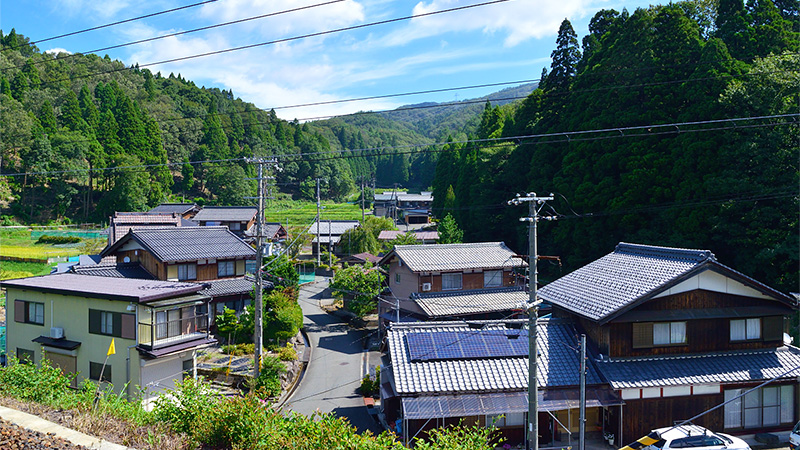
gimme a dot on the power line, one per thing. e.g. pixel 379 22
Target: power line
pixel 155 38
pixel 110 24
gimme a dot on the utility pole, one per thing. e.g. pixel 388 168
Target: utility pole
pixel 258 334
pixel 582 420
pixel 362 201
pixel 319 219
pixel 535 205
pixel 330 244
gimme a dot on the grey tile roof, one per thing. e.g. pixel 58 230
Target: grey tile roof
pixel 388 235
pixel 272 229
pixel 557 364
pixel 337 227
pixel 121 270
pixel 728 367
pixel 233 286
pixel 179 208
pixel 226 214
pixel 124 289
pixel 188 243
pixel 404 197
pixel 454 257
pixel 630 274
pixel 445 304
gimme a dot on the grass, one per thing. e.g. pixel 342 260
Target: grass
pixel 40 251
pixel 302 213
pixel 14 269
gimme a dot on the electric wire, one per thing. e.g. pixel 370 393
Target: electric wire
pixel 73 33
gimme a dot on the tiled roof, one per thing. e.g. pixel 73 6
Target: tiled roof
pixel 445 304
pixel 146 218
pixel 557 364
pixel 189 243
pixel 388 235
pixel 121 270
pixel 271 229
pixel 630 274
pixel 125 289
pixel 231 286
pixel 453 257
pixel 179 208
pixel 728 367
pixel 226 214
pixel 404 197
pixel 337 227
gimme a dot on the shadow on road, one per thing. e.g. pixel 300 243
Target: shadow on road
pixel 350 343
pixel 359 418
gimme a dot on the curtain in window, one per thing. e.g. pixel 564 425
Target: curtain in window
pixel 771 399
pixel 753 328
pixel 493 278
pixel 451 281
pixel 661 334
pixel 752 409
pixel 678 332
pixel 733 410
pixel 738 330
pixel 787 404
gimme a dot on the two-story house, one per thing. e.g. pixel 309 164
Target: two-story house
pixel 677 333
pixel 327 234
pixel 71 319
pixel 121 222
pixel 213 256
pixel 445 281
pixel 238 219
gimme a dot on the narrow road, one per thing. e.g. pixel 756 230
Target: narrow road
pixel 334 371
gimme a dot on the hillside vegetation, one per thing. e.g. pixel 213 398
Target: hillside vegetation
pixel 728 187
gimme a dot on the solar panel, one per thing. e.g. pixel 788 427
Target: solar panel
pixel 478 344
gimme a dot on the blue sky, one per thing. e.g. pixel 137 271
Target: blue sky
pixel 495 43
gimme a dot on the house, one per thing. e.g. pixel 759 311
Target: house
pixel 71 319
pixel 409 208
pixel 424 237
pixel 185 210
pixel 473 279
pixel 361 258
pixel 678 333
pixel 208 255
pixel 327 233
pixel 238 219
pixel 121 222
pixel 444 373
pixel 275 232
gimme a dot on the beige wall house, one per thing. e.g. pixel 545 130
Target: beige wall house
pixel 459 276
pixel 70 319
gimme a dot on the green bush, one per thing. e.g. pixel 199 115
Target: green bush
pixel 287 353
pixel 48 239
pixel 191 400
pixel 268 382
pixel 41 384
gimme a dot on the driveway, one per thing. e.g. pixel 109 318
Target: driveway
pixel 335 370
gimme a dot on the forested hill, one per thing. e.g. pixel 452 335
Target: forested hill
pixel 723 185
pixel 61 115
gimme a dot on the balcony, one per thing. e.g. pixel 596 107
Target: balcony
pixel 164 327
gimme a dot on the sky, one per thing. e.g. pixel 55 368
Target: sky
pixel 505 42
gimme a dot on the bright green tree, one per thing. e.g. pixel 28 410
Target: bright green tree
pixel 449 232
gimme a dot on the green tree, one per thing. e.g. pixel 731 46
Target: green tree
pixel 361 285
pixel 449 232
pixel 565 58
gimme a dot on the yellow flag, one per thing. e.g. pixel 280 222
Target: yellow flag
pixel 111 349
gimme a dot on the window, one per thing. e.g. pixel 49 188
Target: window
pixel 235 226
pixel 492 278
pixel 109 323
pixel 697 441
pixel 29 312
pixel 397 278
pixel 745 329
pixel 648 334
pixel 451 281
pixel 188 368
pixel 25 356
pixel 106 323
pixel 96 368
pixel 161 324
pixel 766 407
pixel 187 272
pixel 226 268
pixel 506 420
pixel 669 333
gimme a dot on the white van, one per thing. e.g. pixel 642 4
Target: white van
pixel 794 438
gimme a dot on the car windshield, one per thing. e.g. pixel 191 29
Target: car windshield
pixel 796 428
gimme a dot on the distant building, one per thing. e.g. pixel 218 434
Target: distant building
pixel 330 232
pixel 424 237
pixel 408 208
pixel 185 210
pixel 239 219
pixel 121 222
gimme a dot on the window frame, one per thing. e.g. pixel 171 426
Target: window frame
pixel 672 334
pixel 95 369
pixel 226 264
pixel 123 325
pixel 453 274
pixel 186 268
pixel 25 352
pixel 643 334
pixel 737 411
pixel 746 322
pixel 495 275
pixel 28 307
pixel 107 323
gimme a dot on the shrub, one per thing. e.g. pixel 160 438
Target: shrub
pixel 287 353
pixel 48 239
pixel 268 382
pixel 43 384
pixel 190 400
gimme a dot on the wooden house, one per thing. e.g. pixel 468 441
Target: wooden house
pixel 676 333
pixel 239 219
pixel 185 210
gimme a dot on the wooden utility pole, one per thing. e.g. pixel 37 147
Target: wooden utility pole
pixel 319 219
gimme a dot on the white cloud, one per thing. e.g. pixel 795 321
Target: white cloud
pixel 91 8
pixel 58 50
pixel 516 21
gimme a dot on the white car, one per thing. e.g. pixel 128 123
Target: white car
pixel 696 438
pixel 794 438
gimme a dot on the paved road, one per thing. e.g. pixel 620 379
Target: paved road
pixel 335 369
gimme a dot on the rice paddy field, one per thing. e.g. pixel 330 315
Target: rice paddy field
pixel 301 214
pixel 20 243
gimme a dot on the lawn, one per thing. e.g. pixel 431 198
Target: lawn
pixel 14 269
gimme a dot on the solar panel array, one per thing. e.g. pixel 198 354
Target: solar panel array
pixel 448 345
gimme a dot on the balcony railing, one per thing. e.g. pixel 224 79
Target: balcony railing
pixel 168 332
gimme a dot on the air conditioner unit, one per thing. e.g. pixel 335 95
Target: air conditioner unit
pixel 426 287
pixel 57 333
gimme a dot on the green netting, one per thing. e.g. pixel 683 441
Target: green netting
pixel 83 234
pixel 2 340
